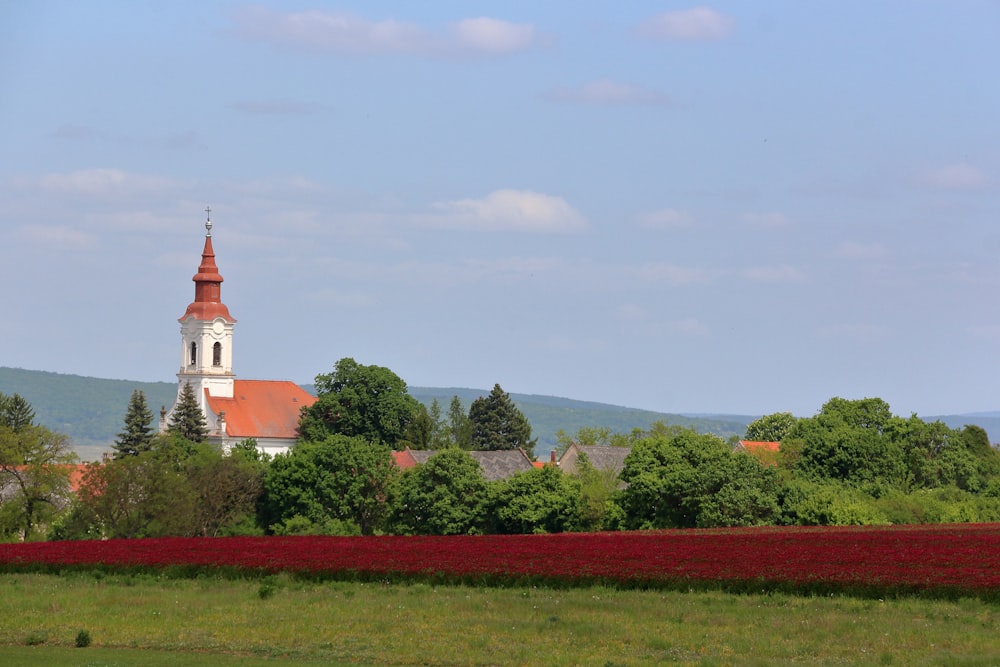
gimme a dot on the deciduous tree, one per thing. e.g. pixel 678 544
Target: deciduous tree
pixel 356 400
pixel 541 500
pixel 447 495
pixel 692 480
pixel 770 428
pixel 337 482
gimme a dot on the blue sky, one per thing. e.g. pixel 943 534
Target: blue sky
pixel 734 207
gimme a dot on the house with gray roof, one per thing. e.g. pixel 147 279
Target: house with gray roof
pixel 496 465
pixel 601 457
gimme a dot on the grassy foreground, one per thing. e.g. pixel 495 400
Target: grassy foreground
pixel 144 620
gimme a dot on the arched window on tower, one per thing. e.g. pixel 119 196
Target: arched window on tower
pixel 217 354
pixel 194 353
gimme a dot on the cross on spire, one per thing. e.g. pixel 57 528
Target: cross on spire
pixel 208 220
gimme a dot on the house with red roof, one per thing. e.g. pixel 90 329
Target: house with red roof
pixel 764 451
pixel 265 410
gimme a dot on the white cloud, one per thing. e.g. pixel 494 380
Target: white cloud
pixel 100 182
pixel 56 236
pixel 666 218
pixel 859 332
pixel 768 220
pixel 341 32
pixel 665 272
pixel 508 210
pixel 985 331
pixel 566 344
pixel 277 107
pixel 631 312
pixel 959 176
pixel 489 35
pixel 608 92
pixel 859 251
pixel 697 24
pixel 688 327
pixel 336 297
pixel 774 274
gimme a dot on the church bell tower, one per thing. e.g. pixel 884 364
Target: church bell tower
pixel 206 336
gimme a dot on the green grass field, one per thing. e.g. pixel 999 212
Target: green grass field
pixel 142 620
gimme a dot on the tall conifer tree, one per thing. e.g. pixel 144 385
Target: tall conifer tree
pixel 138 434
pixel 498 424
pixel 188 421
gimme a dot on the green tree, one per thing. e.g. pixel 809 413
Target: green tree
pixel 855 441
pixel 332 484
pixel 370 402
pixel 146 495
pixel 459 426
pixel 541 500
pixel 447 495
pixel 770 428
pixel 591 436
pixel 33 469
pixel 138 433
pixel 228 489
pixel 497 424
pixel 176 488
pixel 691 480
pixel 807 502
pixel 34 474
pixel 15 412
pixel 188 420
pixel 598 489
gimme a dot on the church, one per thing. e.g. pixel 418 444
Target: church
pixel 265 410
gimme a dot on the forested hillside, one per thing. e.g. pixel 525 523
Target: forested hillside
pixel 90 410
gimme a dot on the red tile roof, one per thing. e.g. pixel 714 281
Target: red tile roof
pixel 262 408
pixel 75 473
pixel 404 459
pixel 760 445
pixel 207 304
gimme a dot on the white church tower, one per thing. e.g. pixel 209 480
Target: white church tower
pixel 206 337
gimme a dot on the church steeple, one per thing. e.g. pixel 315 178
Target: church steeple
pixel 206 337
pixel 207 304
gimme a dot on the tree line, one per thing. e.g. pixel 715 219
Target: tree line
pixel 854 462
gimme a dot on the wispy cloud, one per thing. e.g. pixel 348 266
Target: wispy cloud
pixel 277 107
pixel 769 220
pixel 610 93
pixel 687 327
pixel 855 331
pixel 671 274
pixel 494 36
pixel 774 274
pixel 697 24
pixel 73 132
pixel 345 33
pixel 666 218
pixel 960 176
pixel 507 210
pixel 103 182
pixel 859 251
pixel 56 237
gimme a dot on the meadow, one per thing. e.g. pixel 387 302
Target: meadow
pixel 150 620
pixel 919 595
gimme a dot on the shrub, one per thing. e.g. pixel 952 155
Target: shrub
pixel 82 639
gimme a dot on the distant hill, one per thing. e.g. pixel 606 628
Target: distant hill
pixel 91 410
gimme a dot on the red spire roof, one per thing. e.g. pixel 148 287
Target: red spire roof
pixel 207 304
